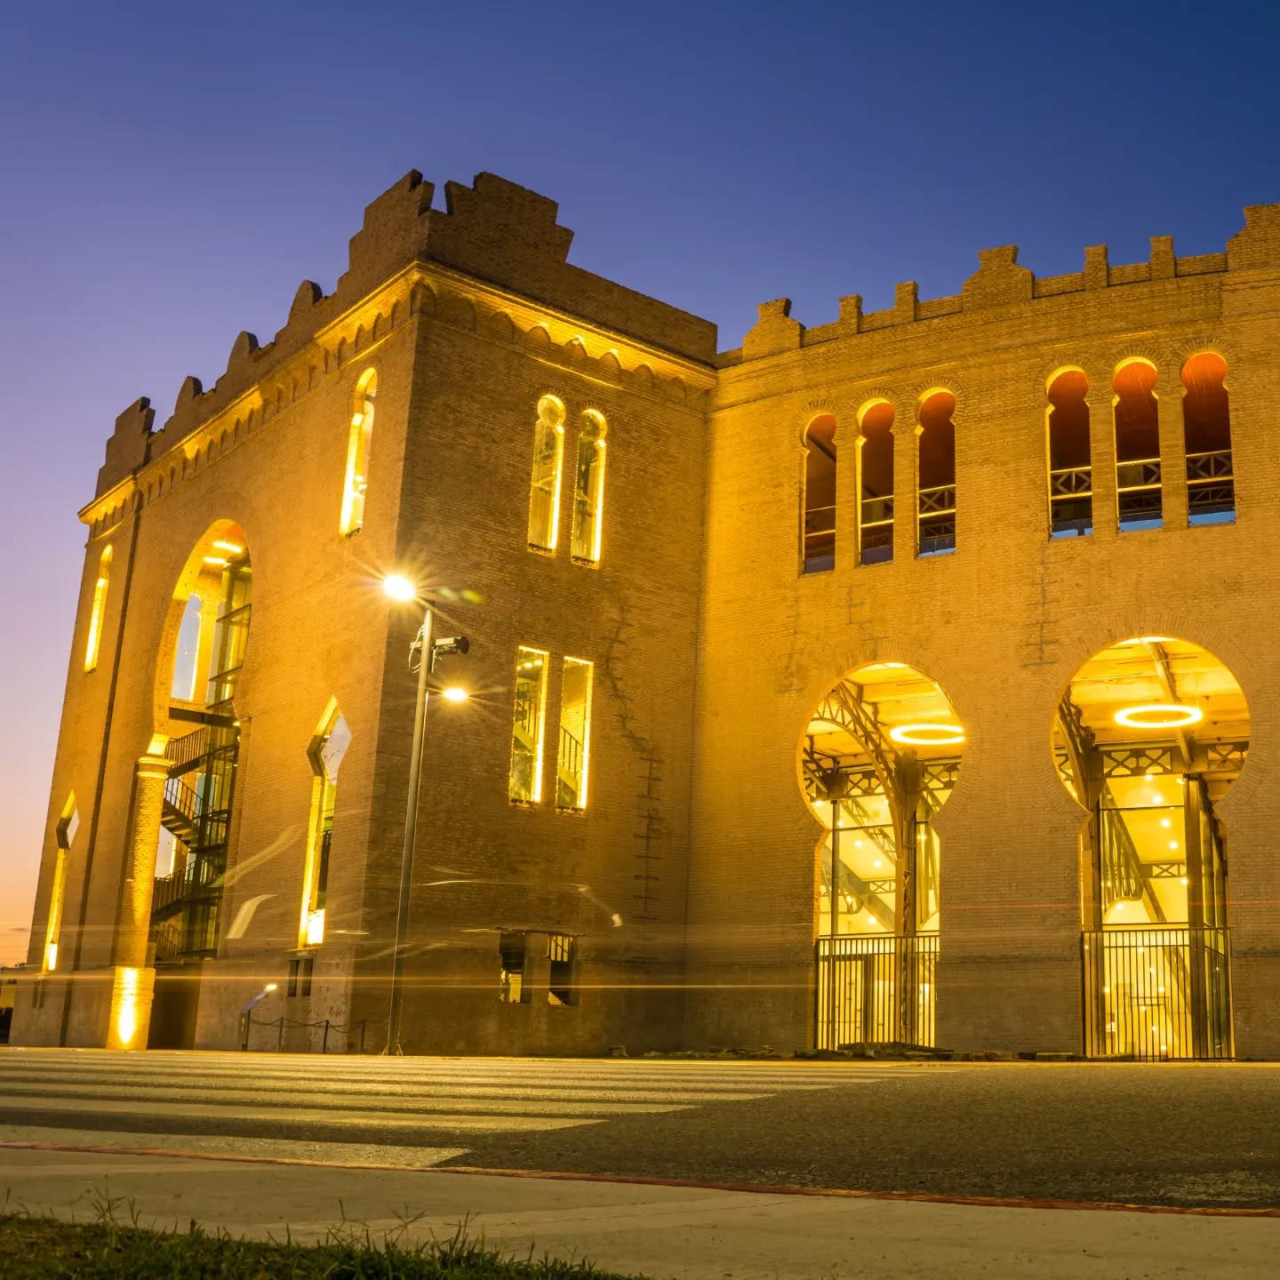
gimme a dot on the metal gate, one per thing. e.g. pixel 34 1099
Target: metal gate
pixel 877 989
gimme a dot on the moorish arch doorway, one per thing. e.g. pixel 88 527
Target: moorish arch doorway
pixel 880 756
pixel 1150 734
pixel 196 691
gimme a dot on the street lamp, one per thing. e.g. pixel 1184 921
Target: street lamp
pixel 401 588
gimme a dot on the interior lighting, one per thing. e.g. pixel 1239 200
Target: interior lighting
pixel 398 587
pixel 1164 822
pixel 1158 715
pixel 927 735
pixel 1184 879
pixel 233 547
pixel 1173 844
pixel 454 693
pixel 220 561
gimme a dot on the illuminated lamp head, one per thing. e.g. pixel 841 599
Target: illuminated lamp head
pixel 927 735
pixel 1159 715
pixel 454 693
pixel 398 587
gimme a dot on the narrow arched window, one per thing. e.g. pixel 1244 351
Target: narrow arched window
pixel 1070 465
pixel 875 483
pixel 588 496
pixel 1137 426
pixel 325 753
pixel 186 661
pixel 356 485
pixel 818 519
pixel 1206 416
pixel 544 485
pixel 93 642
pixel 937 474
pixel 64 833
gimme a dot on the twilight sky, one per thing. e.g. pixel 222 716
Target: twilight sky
pixel 169 172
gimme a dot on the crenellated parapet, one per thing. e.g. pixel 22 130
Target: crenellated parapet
pixel 494 260
pixel 1001 281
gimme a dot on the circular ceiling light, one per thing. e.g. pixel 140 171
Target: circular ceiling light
pixel 927 735
pixel 1159 715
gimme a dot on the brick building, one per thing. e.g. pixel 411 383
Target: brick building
pixel 897 679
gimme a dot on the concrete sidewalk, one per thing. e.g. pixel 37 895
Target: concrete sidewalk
pixel 658 1231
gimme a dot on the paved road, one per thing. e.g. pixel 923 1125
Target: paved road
pixel 1156 1135
pixel 1190 1135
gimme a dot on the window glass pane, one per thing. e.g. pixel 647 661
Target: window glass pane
pixel 94 639
pixel 575 726
pixel 548 457
pixel 187 660
pixel 358 446
pixel 588 501
pixel 525 785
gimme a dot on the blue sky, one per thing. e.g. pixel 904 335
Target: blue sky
pixel 170 172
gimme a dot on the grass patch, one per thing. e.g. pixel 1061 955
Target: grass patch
pixel 38 1248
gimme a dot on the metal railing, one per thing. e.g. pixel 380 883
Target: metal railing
pixel 1211 488
pixel 1138 492
pixel 1155 993
pixel 875 530
pixel 1071 500
pixel 937 519
pixel 282 1023
pixel 819 537
pixel 877 989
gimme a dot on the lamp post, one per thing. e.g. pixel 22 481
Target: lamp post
pixel 400 588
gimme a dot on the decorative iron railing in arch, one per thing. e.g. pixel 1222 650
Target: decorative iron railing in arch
pixel 1157 992
pixel 877 989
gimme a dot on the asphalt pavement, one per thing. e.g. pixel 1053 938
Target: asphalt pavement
pixel 900 1169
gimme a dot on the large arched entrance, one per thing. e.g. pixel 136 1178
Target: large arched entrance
pixel 1150 734
pixel 880 756
pixel 197 678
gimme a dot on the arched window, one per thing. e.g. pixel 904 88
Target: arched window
pixel 64 833
pixel 875 483
pixel 1070 467
pixel 818 522
pixel 186 662
pixel 94 640
pixel 325 753
pixel 1137 425
pixel 544 485
pixel 588 497
pixel 357 479
pixel 937 493
pixel 1206 416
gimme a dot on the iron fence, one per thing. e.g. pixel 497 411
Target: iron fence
pixel 877 989
pixel 1157 993
pixel 248 1022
